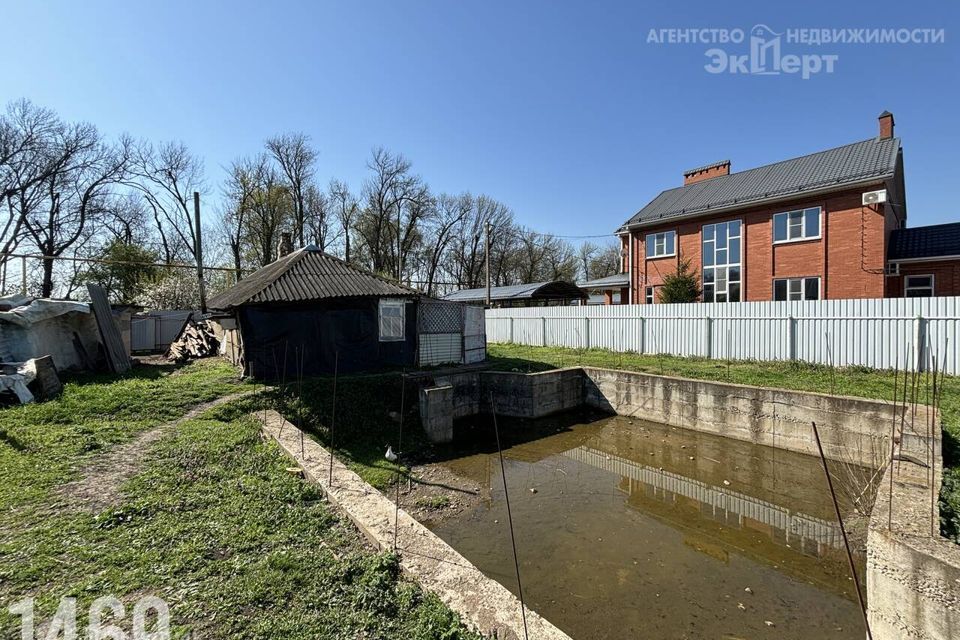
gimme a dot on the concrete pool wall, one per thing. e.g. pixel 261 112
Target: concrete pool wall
pixel 853 430
pixel 913 573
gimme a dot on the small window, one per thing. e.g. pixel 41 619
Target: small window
pixel 392 316
pixel 660 245
pixel 791 226
pixel 918 287
pixel 649 295
pixel 796 289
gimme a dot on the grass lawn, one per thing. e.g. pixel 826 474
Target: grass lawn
pixel 212 522
pixel 849 381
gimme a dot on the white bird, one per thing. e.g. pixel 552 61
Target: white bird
pixel 390 455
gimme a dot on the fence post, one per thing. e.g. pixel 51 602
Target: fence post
pixel 23 275
pixel 643 336
pixel 917 344
pixel 511 329
pixel 708 337
pixel 792 338
pixel 587 333
pixel 544 319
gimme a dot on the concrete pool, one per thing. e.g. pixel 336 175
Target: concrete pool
pixel 627 528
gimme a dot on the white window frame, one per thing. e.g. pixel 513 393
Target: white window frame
pixel 650 295
pixel 907 287
pixel 802 282
pixel 724 265
pixel 389 335
pixel 803 237
pixel 650 244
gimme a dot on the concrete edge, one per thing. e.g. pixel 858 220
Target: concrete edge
pixel 482 603
pixel 913 573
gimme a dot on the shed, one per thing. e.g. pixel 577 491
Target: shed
pixel 310 312
pixel 535 294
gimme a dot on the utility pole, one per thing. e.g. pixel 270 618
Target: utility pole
pixel 198 250
pixel 487 257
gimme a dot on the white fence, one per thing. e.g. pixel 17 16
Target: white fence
pixel 155 330
pixel 877 333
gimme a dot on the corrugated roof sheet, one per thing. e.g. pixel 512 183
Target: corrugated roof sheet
pixel 925 242
pixel 303 276
pixel 554 289
pixel 616 280
pixel 873 158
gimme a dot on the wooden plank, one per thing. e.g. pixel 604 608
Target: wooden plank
pixel 117 356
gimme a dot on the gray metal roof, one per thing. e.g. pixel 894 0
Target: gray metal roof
pixel 849 164
pixel 546 290
pixel 306 275
pixel 610 282
pixel 934 241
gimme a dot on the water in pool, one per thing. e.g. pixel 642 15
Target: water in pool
pixel 631 529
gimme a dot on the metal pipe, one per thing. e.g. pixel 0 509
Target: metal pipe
pixel 843 532
pixel 506 496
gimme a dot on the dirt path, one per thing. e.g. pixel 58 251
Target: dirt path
pixel 100 481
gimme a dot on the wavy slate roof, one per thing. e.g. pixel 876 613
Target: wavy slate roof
pixel 303 276
pixel 852 163
pixel 934 241
pixel 553 289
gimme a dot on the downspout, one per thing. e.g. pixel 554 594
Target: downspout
pixel 630 265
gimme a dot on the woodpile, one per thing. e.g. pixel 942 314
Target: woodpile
pixel 196 340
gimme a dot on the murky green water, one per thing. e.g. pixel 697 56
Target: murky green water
pixel 638 530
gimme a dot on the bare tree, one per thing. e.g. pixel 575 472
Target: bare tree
pixel 75 194
pixel 296 158
pixel 448 214
pixel 320 229
pixel 345 208
pixel 168 175
pixel 269 207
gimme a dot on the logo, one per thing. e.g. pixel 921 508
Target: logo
pixel 150 619
pixel 770 53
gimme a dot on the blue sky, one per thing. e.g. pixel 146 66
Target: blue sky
pixel 562 110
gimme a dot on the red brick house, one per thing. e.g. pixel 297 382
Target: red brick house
pixel 815 227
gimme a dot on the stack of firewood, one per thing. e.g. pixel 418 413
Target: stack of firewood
pixel 196 340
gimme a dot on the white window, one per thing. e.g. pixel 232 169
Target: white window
pixel 791 226
pixel 661 245
pixel 796 289
pixel 721 261
pixel 650 295
pixel 392 316
pixel 918 286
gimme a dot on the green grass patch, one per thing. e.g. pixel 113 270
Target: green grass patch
pixel 212 523
pixel 847 381
pixel 434 503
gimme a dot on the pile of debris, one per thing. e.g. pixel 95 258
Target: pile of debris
pixel 24 382
pixel 196 340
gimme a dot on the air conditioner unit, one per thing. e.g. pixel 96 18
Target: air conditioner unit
pixel 875 197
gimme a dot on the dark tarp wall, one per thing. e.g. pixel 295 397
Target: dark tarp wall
pixel 275 334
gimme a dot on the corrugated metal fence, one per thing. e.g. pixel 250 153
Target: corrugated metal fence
pixel 155 330
pixel 876 333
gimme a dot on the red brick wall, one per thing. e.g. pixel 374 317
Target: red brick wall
pixel 849 256
pixel 946 277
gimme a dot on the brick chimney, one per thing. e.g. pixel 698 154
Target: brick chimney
pixel 705 173
pixel 285 247
pixel 886 125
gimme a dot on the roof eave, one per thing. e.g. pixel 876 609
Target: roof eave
pixel 925 259
pixel 794 195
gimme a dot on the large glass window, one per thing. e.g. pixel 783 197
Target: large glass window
pixel 796 289
pixel 918 286
pixel 660 245
pixel 721 262
pixel 802 224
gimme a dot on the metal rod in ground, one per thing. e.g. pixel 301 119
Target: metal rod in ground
pixel 333 411
pixel 933 489
pixel 506 497
pixel 931 471
pixel 903 403
pixel 396 502
pixel 843 531
pixel 303 356
pixel 893 439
